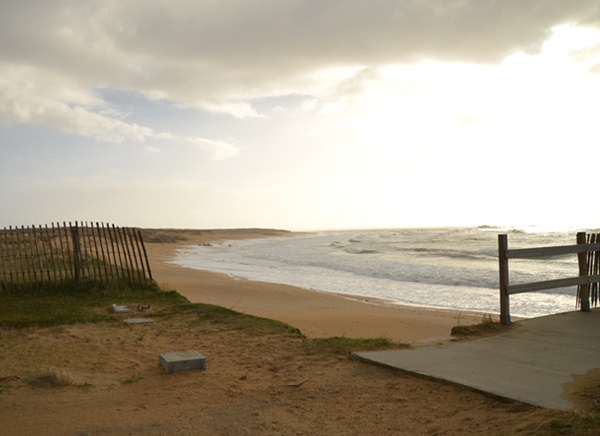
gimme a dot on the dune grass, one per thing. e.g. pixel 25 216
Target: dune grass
pixel 90 302
pixel 233 320
pixel 342 345
pixel 486 326
pixel 554 423
pixel 77 302
pixel 50 377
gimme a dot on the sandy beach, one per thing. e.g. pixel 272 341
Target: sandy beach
pixel 254 384
pixel 316 314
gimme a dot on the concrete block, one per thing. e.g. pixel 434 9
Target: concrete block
pixel 120 309
pixel 181 360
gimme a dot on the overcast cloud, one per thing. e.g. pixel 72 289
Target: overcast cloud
pixel 219 56
pixel 349 72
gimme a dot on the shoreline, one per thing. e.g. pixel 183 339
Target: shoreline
pixel 316 314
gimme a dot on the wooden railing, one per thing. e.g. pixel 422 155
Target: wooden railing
pixel 39 255
pixel 583 280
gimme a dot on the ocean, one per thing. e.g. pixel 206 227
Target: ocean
pixel 447 268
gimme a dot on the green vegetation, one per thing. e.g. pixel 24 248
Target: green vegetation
pixel 86 302
pixel 132 379
pixel 486 326
pixel 164 238
pixel 72 302
pixel 50 378
pixel 85 386
pixel 238 321
pixel 4 387
pixel 554 423
pixel 342 345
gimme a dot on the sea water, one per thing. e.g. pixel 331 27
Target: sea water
pixel 451 268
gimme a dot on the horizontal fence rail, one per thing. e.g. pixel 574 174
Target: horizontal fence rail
pixel 60 253
pixel 588 255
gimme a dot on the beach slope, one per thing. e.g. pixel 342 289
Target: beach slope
pixel 316 314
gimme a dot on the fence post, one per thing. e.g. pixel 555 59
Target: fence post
pixel 76 250
pixel 114 252
pixel 87 254
pixel 504 306
pixel 120 250
pixel 102 250
pixel 21 256
pixel 2 255
pixel 145 255
pixel 39 255
pixel 584 295
pixel 55 264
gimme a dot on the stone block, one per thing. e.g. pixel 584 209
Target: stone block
pixel 120 309
pixel 181 360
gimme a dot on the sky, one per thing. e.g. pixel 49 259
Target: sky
pixel 300 114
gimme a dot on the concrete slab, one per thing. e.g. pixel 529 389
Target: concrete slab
pixel 182 360
pixel 137 320
pixel 120 309
pixel 530 364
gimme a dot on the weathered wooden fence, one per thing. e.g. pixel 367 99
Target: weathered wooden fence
pixel 588 256
pixel 60 253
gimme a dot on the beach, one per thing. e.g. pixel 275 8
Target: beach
pixel 254 383
pixel 315 314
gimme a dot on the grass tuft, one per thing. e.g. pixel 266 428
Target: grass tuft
pixel 553 423
pixel 4 387
pixel 342 345
pixel 239 321
pixel 50 378
pixel 487 325
pixel 132 379
pixel 85 386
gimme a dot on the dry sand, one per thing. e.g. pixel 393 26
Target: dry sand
pixel 245 390
pixel 251 384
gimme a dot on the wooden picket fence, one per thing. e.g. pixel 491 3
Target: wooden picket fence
pixel 61 253
pixel 592 263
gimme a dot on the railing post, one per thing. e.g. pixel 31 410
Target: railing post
pixel 504 306
pixel 584 294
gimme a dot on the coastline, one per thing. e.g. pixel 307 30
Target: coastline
pixel 316 314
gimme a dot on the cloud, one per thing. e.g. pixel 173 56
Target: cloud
pixel 219 56
pixel 27 96
pixel 220 150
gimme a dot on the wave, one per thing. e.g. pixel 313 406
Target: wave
pixel 359 251
pixel 456 254
pixel 449 267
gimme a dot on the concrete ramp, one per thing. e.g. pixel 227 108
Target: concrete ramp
pixel 530 364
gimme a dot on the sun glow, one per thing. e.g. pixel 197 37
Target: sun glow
pixel 443 129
